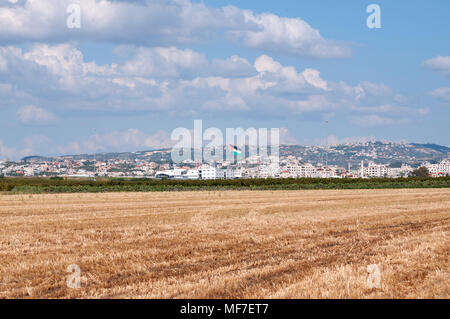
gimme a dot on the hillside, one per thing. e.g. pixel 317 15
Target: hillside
pixel 342 154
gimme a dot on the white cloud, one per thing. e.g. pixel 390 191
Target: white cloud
pixel 3 64
pixel 286 79
pixel 234 66
pixel 226 103
pixel 376 120
pixel 116 141
pixel 32 145
pixel 313 103
pixel 289 35
pixel 313 77
pixel 266 63
pixel 5 89
pixel 392 109
pixel 161 62
pixel 439 63
pixel 180 83
pixel 32 115
pixel 286 138
pixel 163 23
pixel 171 62
pixel 375 89
pixel 121 141
pixel 8 152
pixel 442 94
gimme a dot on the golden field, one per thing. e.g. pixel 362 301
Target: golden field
pixel 229 244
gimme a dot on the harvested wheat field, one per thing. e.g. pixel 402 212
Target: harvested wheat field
pixel 240 244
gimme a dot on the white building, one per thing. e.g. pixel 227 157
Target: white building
pixel 227 173
pixel 305 170
pixel 402 171
pixel 376 170
pixel 237 173
pixel 177 173
pixel 208 172
pixel 192 174
pixel 381 170
pixel 28 171
pixel 269 170
pixel 205 172
pixel 440 169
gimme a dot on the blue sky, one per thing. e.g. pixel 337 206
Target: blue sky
pixel 136 70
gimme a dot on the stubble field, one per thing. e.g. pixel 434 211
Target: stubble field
pixel 229 244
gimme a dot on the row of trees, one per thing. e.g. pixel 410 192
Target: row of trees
pixel 56 185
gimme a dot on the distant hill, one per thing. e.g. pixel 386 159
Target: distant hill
pixel 342 154
pixel 439 148
pixel 379 152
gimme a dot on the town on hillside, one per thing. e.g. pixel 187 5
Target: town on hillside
pixel 358 160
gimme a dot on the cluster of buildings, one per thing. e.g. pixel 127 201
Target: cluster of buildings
pixel 379 170
pixel 285 167
pixel 202 172
pixel 291 168
pixel 439 169
pixel 68 167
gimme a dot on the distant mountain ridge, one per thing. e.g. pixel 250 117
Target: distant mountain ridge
pixel 439 148
pixel 341 154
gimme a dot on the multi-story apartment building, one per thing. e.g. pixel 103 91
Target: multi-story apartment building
pixel 376 170
pixel 208 172
pixel 305 170
pixel 192 174
pixel 271 170
pixel 381 170
pixel 440 169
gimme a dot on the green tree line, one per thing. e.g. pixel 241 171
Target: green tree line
pixel 60 185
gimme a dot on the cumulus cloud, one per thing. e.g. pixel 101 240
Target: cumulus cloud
pixel 160 62
pixel 377 120
pixel 392 109
pixel 8 152
pixel 171 62
pixel 2 64
pixel 439 63
pixel 163 23
pixel 32 115
pixel 442 94
pixel 115 141
pixel 376 89
pixel 286 138
pixel 313 78
pixel 289 35
pixel 234 66
pixel 32 145
pixel 179 83
pixel 120 141
pixel 313 103
pixel 286 79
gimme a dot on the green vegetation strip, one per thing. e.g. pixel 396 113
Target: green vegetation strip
pixel 59 185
